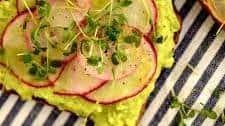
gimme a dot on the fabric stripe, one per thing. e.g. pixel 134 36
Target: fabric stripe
pixel 188 21
pixel 3 98
pixel 212 100
pixel 42 116
pixel 177 71
pixel 71 120
pixel 197 56
pixel 179 3
pixel 188 80
pixel 219 107
pixel 186 8
pixel 80 122
pixel 217 43
pixel 9 118
pixel 52 117
pixel 182 47
pixel 90 123
pixel 61 119
pixel 202 68
pixel 7 106
pixel 23 113
pixel 219 122
pixel 33 114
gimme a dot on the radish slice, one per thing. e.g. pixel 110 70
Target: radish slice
pixel 16 45
pixel 74 81
pixel 118 90
pixel 142 14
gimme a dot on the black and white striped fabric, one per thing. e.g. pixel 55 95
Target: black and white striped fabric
pixel 199 71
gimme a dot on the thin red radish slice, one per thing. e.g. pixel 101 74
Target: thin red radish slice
pixel 74 81
pixel 15 45
pixel 130 86
pixel 154 14
pixel 142 14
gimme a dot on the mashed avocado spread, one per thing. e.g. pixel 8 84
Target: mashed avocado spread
pixel 124 113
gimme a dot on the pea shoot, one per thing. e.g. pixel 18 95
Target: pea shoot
pixel 186 112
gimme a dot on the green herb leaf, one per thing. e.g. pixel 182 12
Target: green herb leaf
pixel 55 63
pixel 94 60
pixel 191 114
pixel 208 113
pixel 103 44
pixel 112 33
pixel 33 70
pixel 159 39
pixel 27 58
pixel 44 8
pixel 125 3
pixel 118 57
pixel 41 73
pixel 134 38
pixel 91 25
pixel 175 103
pixel 182 123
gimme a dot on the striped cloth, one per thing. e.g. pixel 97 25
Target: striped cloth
pixel 198 48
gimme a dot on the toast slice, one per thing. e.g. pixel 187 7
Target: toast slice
pixel 125 111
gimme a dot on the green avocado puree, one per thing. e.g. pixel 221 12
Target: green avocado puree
pixel 124 113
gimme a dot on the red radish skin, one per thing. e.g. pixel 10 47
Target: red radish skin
pixel 116 100
pixel 154 12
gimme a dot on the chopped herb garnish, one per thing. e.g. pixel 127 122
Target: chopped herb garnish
pixel 118 57
pixel 112 32
pixel 44 8
pixel 91 25
pixel 159 39
pixel 217 92
pixel 103 44
pixel 208 113
pixel 125 3
pixel 134 38
pixel 33 69
pixel 27 58
pixel 94 60
pixel 55 63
